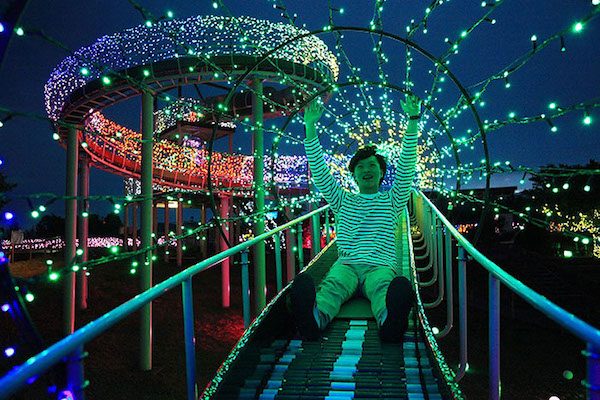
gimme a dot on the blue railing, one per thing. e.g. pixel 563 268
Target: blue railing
pixel 437 229
pixel 17 378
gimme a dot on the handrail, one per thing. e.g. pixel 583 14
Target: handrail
pixel 43 361
pixel 576 326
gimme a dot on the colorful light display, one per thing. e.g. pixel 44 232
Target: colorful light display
pixel 205 36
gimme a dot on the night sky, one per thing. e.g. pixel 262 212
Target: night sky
pixel 37 164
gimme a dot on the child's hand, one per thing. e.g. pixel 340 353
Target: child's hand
pixel 312 112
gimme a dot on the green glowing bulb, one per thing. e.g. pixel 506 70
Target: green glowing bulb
pixel 463 34
pixel 106 80
pixel 170 14
pixel 215 5
pixel 585 240
pixel 42 208
pixel 554 129
pixel 568 375
pixel 114 249
pixel 587 120
pixel 35 214
pixel 555 190
pixel 568 253
pixel 552 106
pixel 576 239
pixel 49 262
pixel 148 23
pixel 85 214
pixel 79 252
pixel 84 144
pixel 75 268
pixel 587 188
pixel 146 73
pixel 512 114
pixel 578 27
pixel 53 276
pixel 565 185
pixel 132 271
pixel 134 264
pixel 55 136
pixel 29 297
pixel 19 31
pixel 84 71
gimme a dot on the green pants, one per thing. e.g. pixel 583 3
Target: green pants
pixel 343 281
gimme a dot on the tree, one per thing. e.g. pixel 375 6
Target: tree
pixel 5 187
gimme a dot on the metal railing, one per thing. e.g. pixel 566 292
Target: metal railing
pixel 42 362
pixel 437 229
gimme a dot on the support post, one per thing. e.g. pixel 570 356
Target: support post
pixel 259 197
pixel 592 383
pixel 189 339
pixel 83 231
pixel 290 259
pixel 75 381
pixel 146 237
pixel 494 337
pixel 166 231
pixel 277 245
pixel 245 289
pixel 316 234
pixel 462 311
pixel 225 281
pixel 178 231
pixel 300 247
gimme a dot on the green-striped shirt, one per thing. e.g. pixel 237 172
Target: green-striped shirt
pixel 366 222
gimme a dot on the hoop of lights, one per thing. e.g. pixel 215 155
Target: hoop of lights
pixel 440 64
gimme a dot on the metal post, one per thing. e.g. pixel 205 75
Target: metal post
pixel 189 339
pixel 146 237
pixel 178 231
pixel 462 311
pixel 449 289
pixel 327 234
pixel 166 231
pixel 245 289
pixel 278 278
pixel 290 259
pixel 83 225
pixel 70 231
pixel 300 248
pixel 75 381
pixel 316 234
pixel 494 337
pixel 225 282
pixel 260 287
pixel 592 383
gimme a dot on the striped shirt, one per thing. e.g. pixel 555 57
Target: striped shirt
pixel 366 222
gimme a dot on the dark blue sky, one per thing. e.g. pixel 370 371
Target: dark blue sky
pixel 36 163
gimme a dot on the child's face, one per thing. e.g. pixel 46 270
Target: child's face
pixel 367 175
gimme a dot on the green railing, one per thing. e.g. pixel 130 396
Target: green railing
pixel 17 378
pixel 437 229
